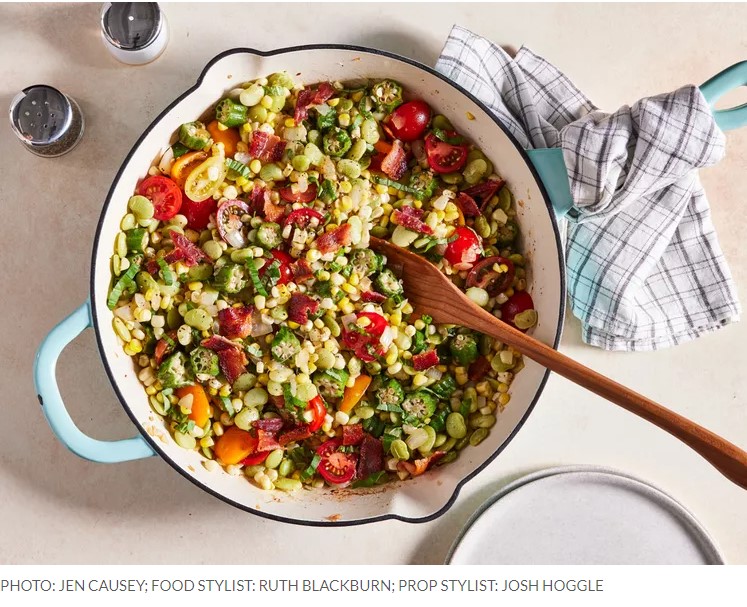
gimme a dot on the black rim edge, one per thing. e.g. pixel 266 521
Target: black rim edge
pixel 153 443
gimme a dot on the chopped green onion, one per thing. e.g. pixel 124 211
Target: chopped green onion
pixel 254 275
pixel 179 149
pixel 227 405
pixel 377 478
pixel 443 136
pixel 168 276
pixel 237 169
pixel 125 283
pixel 395 184
pixel 311 470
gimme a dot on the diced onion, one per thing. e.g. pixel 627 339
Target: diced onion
pixel 348 319
pixel 167 161
pixel 433 374
pixel 387 337
pixel 322 108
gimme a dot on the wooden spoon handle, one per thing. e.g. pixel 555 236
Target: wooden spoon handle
pixel 726 457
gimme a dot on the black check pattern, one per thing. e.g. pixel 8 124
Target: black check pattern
pixel 645 270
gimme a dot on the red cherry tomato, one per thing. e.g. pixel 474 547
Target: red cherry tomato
pixel 483 275
pixel 285 260
pixel 366 344
pixel 230 226
pixel 465 249
pixel 319 411
pixel 302 217
pixel 335 466
pixel 198 213
pixel 164 194
pixel 519 302
pixel 289 195
pixel 409 121
pixel 444 157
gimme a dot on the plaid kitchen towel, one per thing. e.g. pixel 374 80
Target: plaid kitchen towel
pixel 645 269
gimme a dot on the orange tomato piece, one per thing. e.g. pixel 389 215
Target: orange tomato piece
pixel 235 445
pixel 184 165
pixel 229 138
pixel 200 404
pixel 354 393
pixel 460 219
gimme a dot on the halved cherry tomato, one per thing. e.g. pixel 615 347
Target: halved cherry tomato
pixel 200 413
pixel 198 213
pixel 289 195
pixel 301 218
pixel 483 275
pixel 318 411
pixel 366 343
pixel 335 466
pixel 465 249
pixel 184 165
pixel 229 138
pixel 235 445
pixel 519 302
pixel 444 157
pixel 285 260
pixel 230 226
pixel 164 194
pixel 409 121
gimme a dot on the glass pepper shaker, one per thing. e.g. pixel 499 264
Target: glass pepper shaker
pixel 135 33
pixel 46 121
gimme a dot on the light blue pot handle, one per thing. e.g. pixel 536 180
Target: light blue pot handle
pixel 731 78
pixel 54 409
pixel 553 174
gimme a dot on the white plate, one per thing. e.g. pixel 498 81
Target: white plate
pixel 583 516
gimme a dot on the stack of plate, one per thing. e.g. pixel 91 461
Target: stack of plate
pixel 583 516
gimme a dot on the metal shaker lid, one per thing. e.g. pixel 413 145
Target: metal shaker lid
pixel 131 25
pixel 40 114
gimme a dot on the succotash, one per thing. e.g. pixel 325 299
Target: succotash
pixel 265 331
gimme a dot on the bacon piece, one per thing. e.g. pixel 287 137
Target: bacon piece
pixel 192 253
pixel 174 256
pixel 271 426
pixel 410 221
pixel 272 212
pixel 331 241
pixel 352 435
pixel 478 369
pixel 300 306
pixel 236 322
pixel 257 198
pixel 371 456
pixel 231 358
pixel 373 297
pixel 218 343
pixel 483 192
pixel 468 205
pixel 301 271
pixel 296 434
pixel 151 266
pixel 394 164
pixel 309 97
pixel 266 147
pixel 425 360
pixel 266 441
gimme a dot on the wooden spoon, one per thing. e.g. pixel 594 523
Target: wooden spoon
pixel 431 292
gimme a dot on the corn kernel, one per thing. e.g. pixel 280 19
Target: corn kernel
pixel 347 307
pixel 225 390
pixel 382 189
pixel 290 123
pixel 419 380
pixel 348 288
pixel 354 279
pixel 460 374
pixel 263 378
pixel 150 390
pixel 344 120
pixel 133 347
pixel 255 166
pixel 333 102
pixel 395 318
pixel 246 127
pixel 470 116
pixel 242 181
pixel 391 355
pixel 419 324
pixel 346 187
pixel 503 399
pixel 222 127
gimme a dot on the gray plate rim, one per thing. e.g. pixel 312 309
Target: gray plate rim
pixel 710 548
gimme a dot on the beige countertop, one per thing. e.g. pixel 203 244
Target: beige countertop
pixel 56 508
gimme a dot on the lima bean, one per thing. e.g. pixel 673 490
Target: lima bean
pixel 455 426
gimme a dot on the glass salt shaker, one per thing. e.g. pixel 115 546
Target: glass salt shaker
pixel 136 33
pixel 46 121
